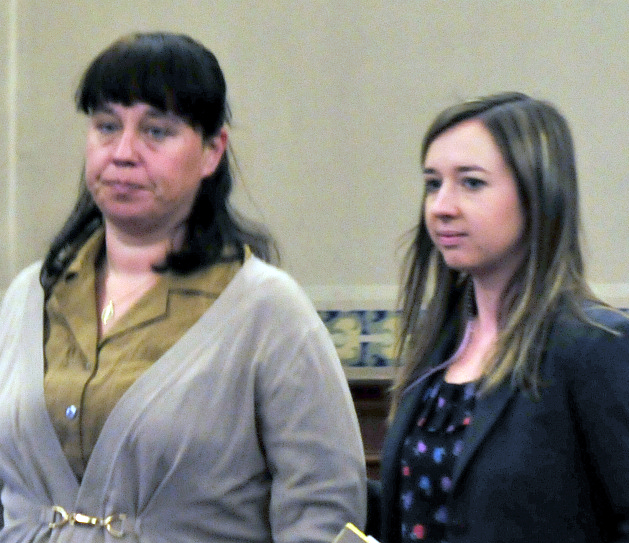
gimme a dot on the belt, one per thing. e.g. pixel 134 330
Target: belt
pixel 116 524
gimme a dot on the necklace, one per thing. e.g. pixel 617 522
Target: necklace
pixel 107 312
pixel 109 309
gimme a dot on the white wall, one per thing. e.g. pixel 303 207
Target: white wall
pixel 330 100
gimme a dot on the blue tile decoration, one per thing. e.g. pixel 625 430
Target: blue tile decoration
pixel 363 338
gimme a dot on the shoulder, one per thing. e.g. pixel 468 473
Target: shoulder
pixel 615 319
pixel 27 275
pixel 598 324
pixel 262 289
pixel 272 312
pixel 596 345
pixel 25 281
pixel 258 271
pixel 22 300
pixel 268 283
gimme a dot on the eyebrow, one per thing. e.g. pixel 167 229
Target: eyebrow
pixel 460 169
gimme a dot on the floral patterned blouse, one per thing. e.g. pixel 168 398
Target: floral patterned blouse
pixel 428 457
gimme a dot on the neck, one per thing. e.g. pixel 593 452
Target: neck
pixel 126 273
pixel 488 300
pixel 129 255
pixel 474 356
pixel 490 286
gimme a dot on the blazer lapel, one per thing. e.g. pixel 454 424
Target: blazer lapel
pixel 407 410
pixel 390 466
pixel 486 412
pixel 405 417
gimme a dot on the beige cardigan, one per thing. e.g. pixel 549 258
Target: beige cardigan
pixel 243 431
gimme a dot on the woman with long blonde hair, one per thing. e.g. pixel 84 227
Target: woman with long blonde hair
pixel 510 417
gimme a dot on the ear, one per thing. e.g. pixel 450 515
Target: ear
pixel 213 152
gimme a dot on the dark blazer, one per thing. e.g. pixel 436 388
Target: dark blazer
pixel 554 470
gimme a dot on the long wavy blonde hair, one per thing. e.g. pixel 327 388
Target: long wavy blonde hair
pixel 536 144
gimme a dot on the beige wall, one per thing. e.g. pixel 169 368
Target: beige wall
pixel 5 138
pixel 330 100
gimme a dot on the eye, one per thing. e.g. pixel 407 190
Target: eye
pixel 473 183
pixel 105 126
pixel 158 133
pixel 432 184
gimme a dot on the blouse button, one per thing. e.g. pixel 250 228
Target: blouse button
pixel 71 412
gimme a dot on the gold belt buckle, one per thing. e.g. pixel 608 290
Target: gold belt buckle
pixel 80 518
pixel 118 518
pixel 87 520
pixel 64 517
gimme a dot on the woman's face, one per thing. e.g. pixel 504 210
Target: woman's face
pixel 144 167
pixel 472 209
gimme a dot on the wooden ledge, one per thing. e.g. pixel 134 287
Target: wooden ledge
pixel 367 375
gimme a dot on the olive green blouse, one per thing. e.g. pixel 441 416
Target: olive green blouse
pixel 85 376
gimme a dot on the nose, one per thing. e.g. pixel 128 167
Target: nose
pixel 443 202
pixel 125 151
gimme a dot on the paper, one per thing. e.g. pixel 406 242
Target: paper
pixel 351 534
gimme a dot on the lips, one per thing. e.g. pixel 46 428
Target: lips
pixel 123 184
pixel 123 188
pixel 449 238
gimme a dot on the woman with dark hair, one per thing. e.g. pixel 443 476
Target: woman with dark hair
pixel 180 388
pixel 510 416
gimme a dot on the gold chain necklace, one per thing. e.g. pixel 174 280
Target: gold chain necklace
pixel 109 310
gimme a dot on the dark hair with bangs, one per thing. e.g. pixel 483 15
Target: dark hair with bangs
pixel 173 73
